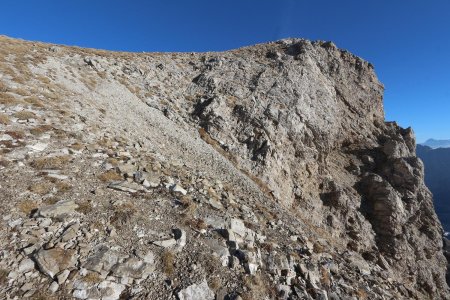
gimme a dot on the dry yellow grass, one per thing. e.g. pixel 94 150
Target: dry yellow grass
pixel 361 294
pixel 43 79
pixel 325 277
pixel 3 276
pixel 27 206
pixel 84 207
pixel 123 214
pixel 4 119
pixel 214 283
pixel 257 289
pixel 16 134
pixel 92 278
pixel 44 295
pixel 189 207
pixel 21 92
pixel 34 101
pixel 89 82
pixel 77 146
pixel 41 129
pixel 110 176
pixel 8 99
pixel 62 187
pixel 41 188
pixel 50 200
pixel 53 162
pixel 24 115
pixel 197 224
pixel 168 260
pixel 113 161
pixel 3 87
pixel 4 163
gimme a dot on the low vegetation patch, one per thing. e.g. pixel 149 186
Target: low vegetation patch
pixel 8 99
pixel 41 188
pixel 4 119
pixel 92 277
pixel 123 214
pixel 110 176
pixel 27 206
pixel 168 261
pixel 3 276
pixel 84 207
pixel 41 129
pixel 24 115
pixel 16 134
pixel 34 101
pixel 3 87
pixel 50 162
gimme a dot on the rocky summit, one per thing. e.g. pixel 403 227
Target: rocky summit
pixel 266 172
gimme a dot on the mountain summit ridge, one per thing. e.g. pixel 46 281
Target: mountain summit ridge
pixel 266 172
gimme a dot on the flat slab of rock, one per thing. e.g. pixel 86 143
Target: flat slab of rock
pixel 26 265
pixel 102 260
pixel 52 261
pixel 38 147
pixel 126 186
pixel 58 209
pixel 133 268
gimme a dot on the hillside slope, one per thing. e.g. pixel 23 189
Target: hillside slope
pixel 266 172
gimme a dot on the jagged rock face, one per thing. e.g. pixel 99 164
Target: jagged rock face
pixel 282 115
pixel 267 170
pixel 306 106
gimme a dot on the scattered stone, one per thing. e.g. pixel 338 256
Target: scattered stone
pixel 196 292
pixel 26 265
pixel 236 232
pixel 70 232
pixel 15 223
pixel 53 287
pixel 62 277
pixel 125 186
pixel 52 261
pixel 176 188
pixel 58 176
pixel 105 290
pixel 215 204
pixel 110 290
pixel 166 243
pixel 180 237
pixel 151 180
pixel 27 286
pixel 178 242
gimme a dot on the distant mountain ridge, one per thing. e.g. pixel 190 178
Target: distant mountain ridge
pixel 434 144
pixel 437 178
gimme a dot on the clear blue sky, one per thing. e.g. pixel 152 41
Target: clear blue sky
pixel 407 41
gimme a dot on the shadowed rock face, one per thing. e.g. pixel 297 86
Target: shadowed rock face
pixel 273 163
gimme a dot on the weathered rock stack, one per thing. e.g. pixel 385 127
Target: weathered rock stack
pixel 266 172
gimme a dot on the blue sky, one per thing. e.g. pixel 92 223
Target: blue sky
pixel 407 41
